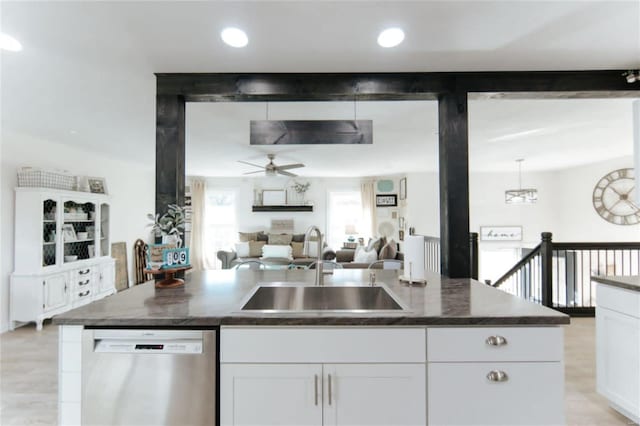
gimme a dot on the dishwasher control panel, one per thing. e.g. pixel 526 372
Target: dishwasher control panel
pixel 187 346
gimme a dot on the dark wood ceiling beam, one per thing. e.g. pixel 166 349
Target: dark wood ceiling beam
pixel 200 87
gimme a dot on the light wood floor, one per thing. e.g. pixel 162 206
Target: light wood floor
pixel 29 384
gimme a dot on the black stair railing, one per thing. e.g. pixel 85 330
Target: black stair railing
pixel 558 275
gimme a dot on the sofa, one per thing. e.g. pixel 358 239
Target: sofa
pixel 385 250
pixel 256 240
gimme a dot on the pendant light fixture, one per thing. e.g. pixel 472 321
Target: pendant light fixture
pixel 520 195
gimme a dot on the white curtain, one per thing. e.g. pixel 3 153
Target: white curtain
pixel 368 209
pixel 200 252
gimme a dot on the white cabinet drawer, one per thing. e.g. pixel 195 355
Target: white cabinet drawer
pixel 81 296
pixel 618 299
pixel 322 344
pixel 461 394
pixel 509 344
pixel 82 283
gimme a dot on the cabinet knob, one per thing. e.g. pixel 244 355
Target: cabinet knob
pixel 496 341
pixel 497 376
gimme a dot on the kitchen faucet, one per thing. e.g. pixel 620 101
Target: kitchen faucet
pixel 319 277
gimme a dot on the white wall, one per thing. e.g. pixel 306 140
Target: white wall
pixel 578 220
pixel 130 184
pixel 564 208
pixel 317 193
pixel 423 203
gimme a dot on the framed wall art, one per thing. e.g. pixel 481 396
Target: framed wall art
pixel 386 200
pixel 403 189
pixel 97 185
pixel 274 197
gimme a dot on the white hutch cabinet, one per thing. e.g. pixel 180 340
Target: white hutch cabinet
pixel 62 253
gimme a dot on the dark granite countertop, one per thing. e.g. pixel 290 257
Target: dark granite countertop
pixel 213 298
pixel 630 283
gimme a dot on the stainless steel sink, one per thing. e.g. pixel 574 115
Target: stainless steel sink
pixel 297 298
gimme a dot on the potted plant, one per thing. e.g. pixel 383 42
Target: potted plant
pixel 301 189
pixel 170 225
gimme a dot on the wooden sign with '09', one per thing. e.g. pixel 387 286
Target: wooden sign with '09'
pixel 176 257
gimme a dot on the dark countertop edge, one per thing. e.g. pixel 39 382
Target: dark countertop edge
pixel 615 282
pixel 326 321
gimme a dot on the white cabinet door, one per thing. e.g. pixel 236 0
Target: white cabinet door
pixel 374 394
pixel 268 394
pixel 618 358
pixel 55 291
pixel 531 393
pixel 106 278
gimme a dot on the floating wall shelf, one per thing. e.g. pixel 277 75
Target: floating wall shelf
pixel 291 208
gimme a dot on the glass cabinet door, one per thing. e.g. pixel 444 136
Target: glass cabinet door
pixel 105 248
pixel 49 229
pixel 79 231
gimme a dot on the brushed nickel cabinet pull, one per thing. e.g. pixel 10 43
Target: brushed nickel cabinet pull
pixel 86 293
pixel 315 387
pixel 81 283
pixel 496 341
pixel 85 272
pixel 497 376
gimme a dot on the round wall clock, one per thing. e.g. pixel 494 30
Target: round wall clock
pixel 613 198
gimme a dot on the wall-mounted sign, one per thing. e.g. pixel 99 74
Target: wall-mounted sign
pixel 501 233
pixel 385 200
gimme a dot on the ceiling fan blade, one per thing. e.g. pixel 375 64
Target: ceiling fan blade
pixel 282 172
pixel 251 164
pixel 253 173
pixel 290 166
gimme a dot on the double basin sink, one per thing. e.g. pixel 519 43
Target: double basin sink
pixel 289 297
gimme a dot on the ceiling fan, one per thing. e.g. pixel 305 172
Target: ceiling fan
pixel 271 169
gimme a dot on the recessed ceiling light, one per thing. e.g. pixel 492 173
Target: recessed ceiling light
pixel 234 37
pixel 391 37
pixel 9 43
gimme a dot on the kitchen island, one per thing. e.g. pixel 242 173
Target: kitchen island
pixel 460 353
pixel 618 343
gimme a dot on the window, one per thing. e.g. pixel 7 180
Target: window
pixel 220 223
pixel 345 216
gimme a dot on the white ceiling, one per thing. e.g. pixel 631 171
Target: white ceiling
pixel 549 134
pixel 85 76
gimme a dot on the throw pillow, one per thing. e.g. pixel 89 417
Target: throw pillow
pixel 280 239
pixel 262 237
pixel 298 238
pixel 247 236
pixel 255 248
pixel 242 249
pixel 297 249
pixel 389 251
pixel 375 244
pixel 365 256
pixel 279 251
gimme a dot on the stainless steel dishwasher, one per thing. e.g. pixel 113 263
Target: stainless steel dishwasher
pixel 148 377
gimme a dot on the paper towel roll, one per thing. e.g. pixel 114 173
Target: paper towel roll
pixel 414 257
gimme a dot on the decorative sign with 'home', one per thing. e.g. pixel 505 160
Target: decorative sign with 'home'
pixel 501 233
